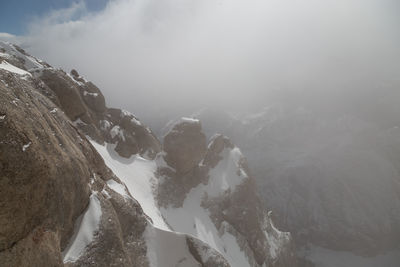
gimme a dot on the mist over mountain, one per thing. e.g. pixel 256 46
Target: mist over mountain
pixel 202 133
pixel 230 54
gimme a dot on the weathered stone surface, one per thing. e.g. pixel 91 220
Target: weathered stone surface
pixel 47 172
pixel 44 172
pixel 185 146
pixel 206 256
pixel 93 97
pixel 66 91
pixel 84 103
pixel 40 248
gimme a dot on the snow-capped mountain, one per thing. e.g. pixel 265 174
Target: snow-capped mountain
pixel 87 185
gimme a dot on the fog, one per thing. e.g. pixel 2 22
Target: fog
pixel 307 89
pixel 148 55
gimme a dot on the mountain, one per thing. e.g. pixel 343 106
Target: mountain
pixel 332 180
pixel 82 184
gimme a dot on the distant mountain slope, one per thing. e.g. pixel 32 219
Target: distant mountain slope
pixel 331 180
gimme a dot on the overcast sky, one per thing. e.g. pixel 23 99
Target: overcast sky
pixel 144 54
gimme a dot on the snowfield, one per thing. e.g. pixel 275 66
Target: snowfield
pixel 138 175
pixel 11 68
pixel 165 248
pixel 195 220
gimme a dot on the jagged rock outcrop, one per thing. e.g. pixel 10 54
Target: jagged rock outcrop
pixel 185 146
pixel 216 180
pixel 84 104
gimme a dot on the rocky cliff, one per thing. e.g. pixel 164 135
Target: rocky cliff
pixel 208 191
pixel 79 186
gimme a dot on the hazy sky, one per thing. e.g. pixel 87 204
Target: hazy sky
pixel 149 53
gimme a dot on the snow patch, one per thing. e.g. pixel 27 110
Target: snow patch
pixel 4 55
pixel 189 120
pixel 29 61
pixel 106 194
pixel 85 93
pixel 125 113
pixel 195 220
pixel 105 125
pixel 276 239
pixel 117 131
pixel 135 121
pixel 165 248
pixel 25 147
pixel 86 230
pixel 227 174
pixel 75 81
pixel 117 187
pixel 137 174
pixel 11 68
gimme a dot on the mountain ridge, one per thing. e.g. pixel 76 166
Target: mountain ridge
pixel 108 226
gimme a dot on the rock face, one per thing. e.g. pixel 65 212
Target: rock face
pixel 84 104
pixel 45 166
pixel 185 146
pixel 48 170
pixel 216 181
pixel 60 205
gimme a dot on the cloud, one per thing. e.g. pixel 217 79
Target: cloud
pixel 177 53
pixel 6 35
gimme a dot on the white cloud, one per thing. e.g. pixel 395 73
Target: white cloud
pixel 186 52
pixel 6 35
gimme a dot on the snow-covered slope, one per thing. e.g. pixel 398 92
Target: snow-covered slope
pixel 214 199
pixel 86 227
pixel 332 180
pixel 202 209
pixel 19 58
pixel 137 174
pixel 11 68
pixel 194 219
